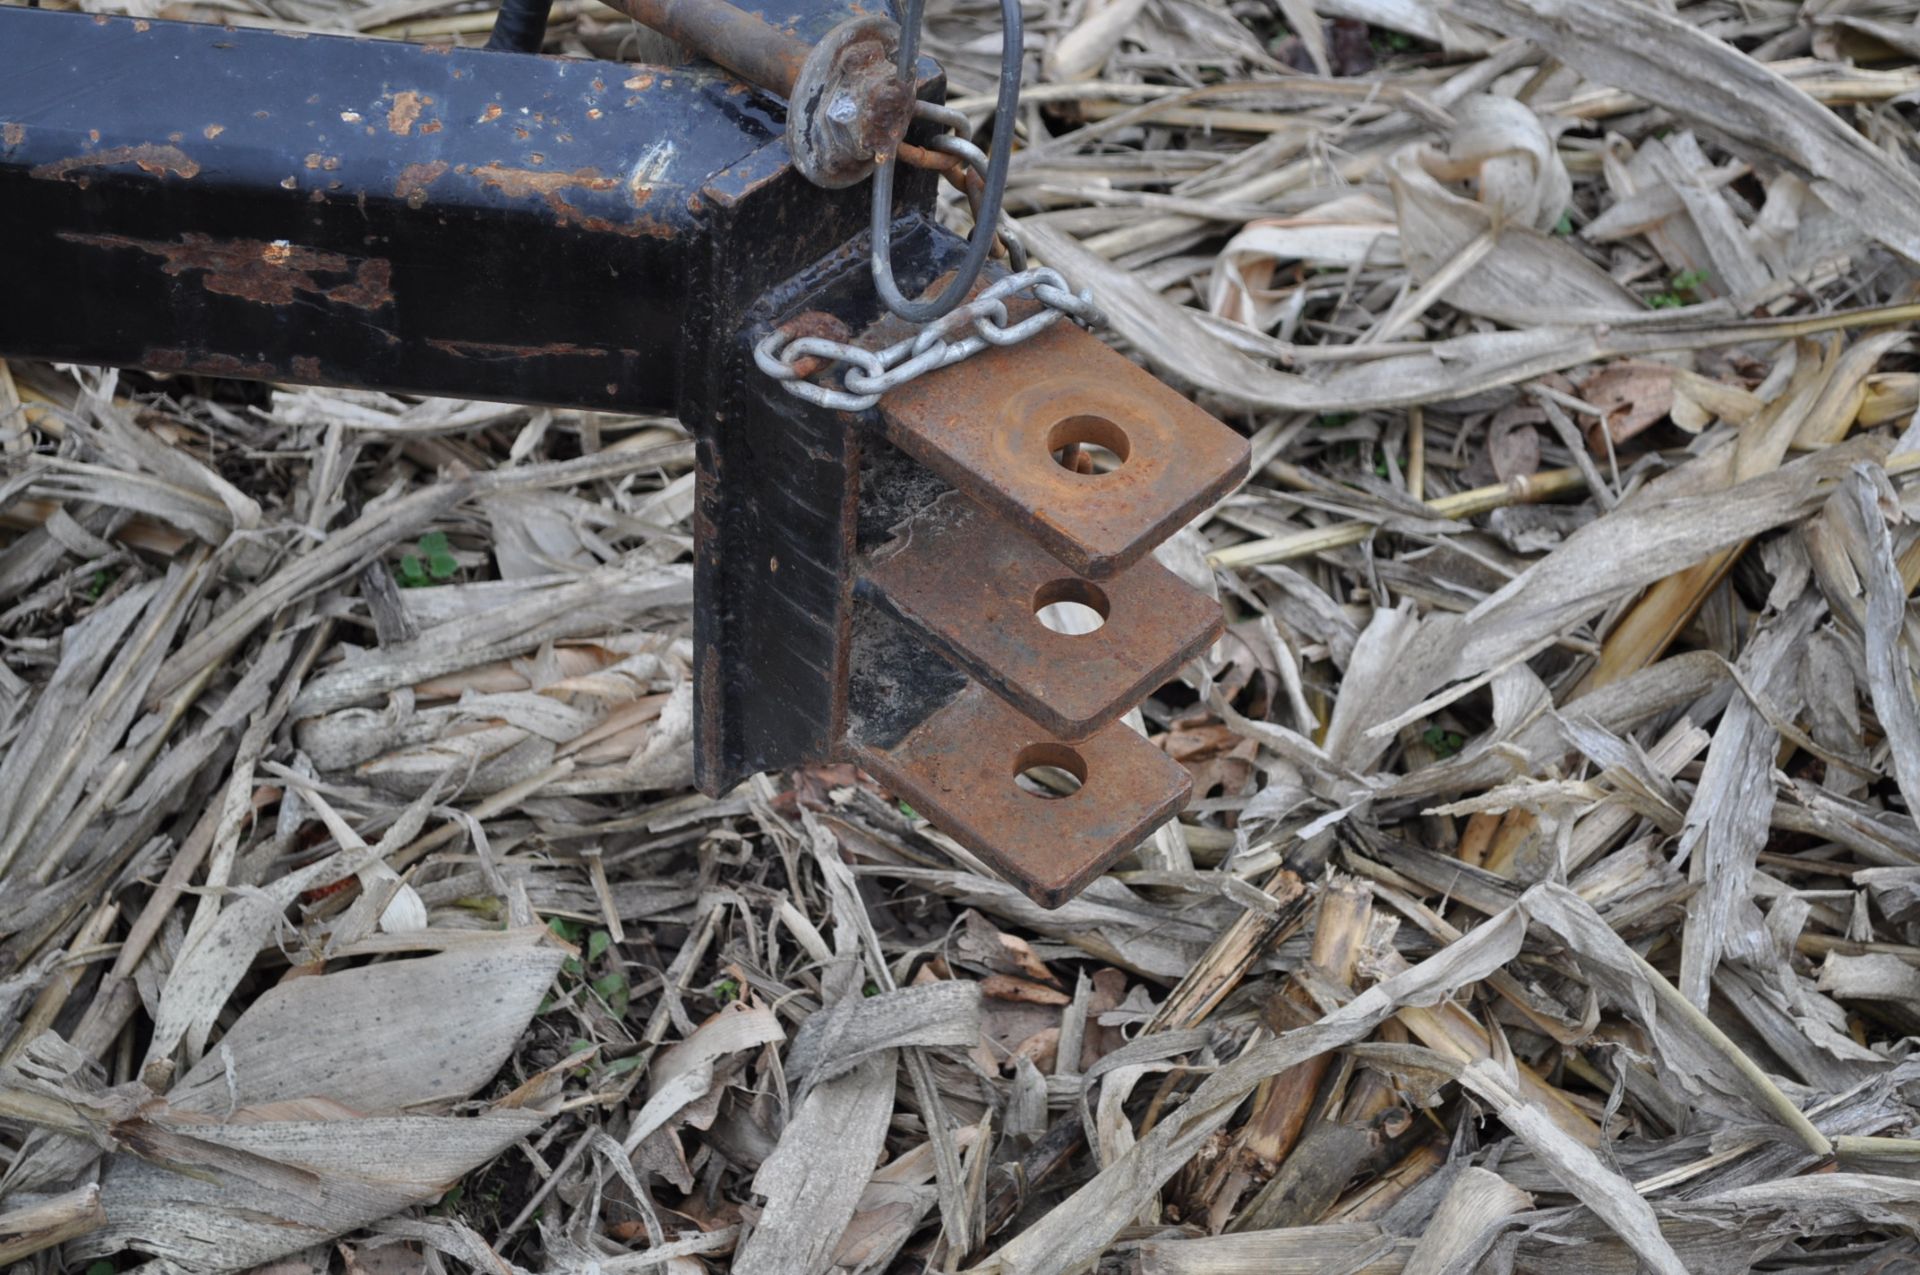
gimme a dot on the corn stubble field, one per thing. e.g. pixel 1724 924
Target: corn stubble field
pixel 1550 901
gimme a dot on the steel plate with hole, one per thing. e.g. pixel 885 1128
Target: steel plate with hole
pixel 976 586
pixel 1006 425
pixel 960 768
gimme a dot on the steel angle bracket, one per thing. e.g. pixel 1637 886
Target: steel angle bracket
pixel 1029 519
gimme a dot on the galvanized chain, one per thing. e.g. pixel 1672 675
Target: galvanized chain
pixel 871 373
pixel 945 338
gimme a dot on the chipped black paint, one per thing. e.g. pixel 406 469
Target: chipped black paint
pixel 398 215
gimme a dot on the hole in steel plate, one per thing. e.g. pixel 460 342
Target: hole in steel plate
pixel 1049 771
pixel 1088 444
pixel 1070 607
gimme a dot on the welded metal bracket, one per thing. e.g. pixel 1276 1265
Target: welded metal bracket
pixel 613 237
pixel 1030 523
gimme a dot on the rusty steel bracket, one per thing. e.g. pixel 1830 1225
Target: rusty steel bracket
pixel 868 586
pixel 1029 523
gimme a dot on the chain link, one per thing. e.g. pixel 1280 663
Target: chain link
pixel 962 145
pixel 946 340
pixel 942 343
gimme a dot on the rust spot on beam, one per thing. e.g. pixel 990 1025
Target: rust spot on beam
pixel 157 160
pixel 520 182
pixel 648 227
pixel 206 363
pixel 262 272
pixel 13 134
pixel 551 188
pixel 406 109
pixel 488 350
pixel 414 179
pixel 306 367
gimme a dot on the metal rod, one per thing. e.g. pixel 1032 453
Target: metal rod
pixel 520 26
pixel 744 43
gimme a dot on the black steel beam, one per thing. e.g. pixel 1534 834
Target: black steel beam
pixel 360 212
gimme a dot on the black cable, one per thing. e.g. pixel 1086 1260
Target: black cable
pixel 987 216
pixel 521 26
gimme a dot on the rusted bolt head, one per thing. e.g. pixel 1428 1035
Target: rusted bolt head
pixel 814 323
pixel 848 105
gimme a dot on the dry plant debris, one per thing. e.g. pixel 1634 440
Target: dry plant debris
pixel 1552 901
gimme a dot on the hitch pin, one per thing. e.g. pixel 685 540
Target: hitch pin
pixel 846 106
